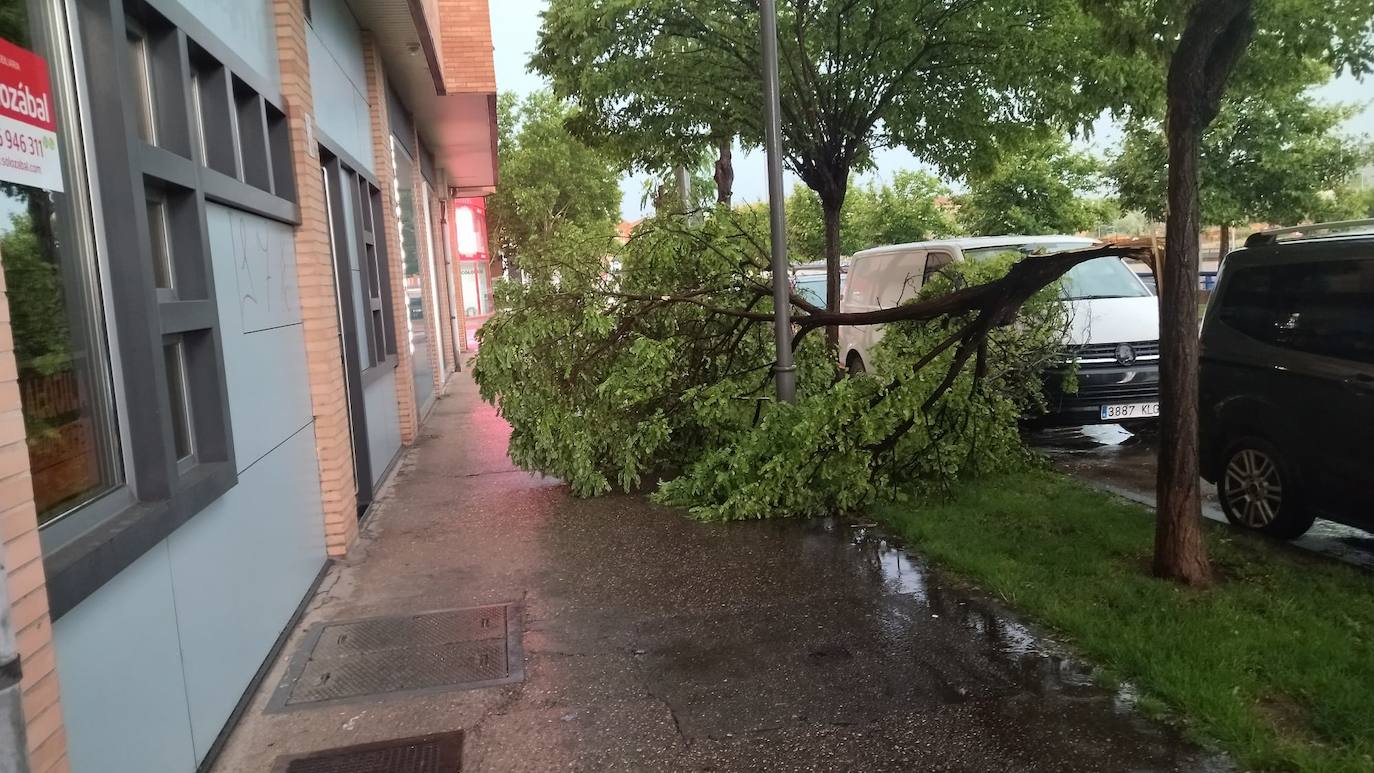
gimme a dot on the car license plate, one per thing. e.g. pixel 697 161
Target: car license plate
pixel 1130 411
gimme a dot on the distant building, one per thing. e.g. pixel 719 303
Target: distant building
pixel 626 228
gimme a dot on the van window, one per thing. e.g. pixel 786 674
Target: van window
pixel 900 280
pixel 860 289
pixel 1102 278
pixel 1093 279
pixel 811 286
pixel 1324 308
pixel 935 261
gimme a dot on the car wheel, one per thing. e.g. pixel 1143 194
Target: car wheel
pixel 1260 490
pixel 855 364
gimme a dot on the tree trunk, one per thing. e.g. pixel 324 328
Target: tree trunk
pixel 831 210
pixel 1224 241
pixel 725 173
pixel 1217 34
pixel 1180 552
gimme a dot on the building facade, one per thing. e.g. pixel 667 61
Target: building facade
pixel 232 291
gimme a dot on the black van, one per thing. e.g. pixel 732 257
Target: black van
pixel 1287 382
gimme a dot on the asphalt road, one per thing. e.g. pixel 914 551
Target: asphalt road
pixel 1111 458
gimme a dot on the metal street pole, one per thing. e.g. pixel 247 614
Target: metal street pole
pixel 684 189
pixel 784 370
pixel 13 747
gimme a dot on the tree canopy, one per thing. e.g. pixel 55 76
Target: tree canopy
pixel 1042 188
pixel 961 83
pixel 1276 157
pixel 549 178
pixel 914 206
pixel 951 81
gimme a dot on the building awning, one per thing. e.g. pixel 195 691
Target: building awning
pixel 438 58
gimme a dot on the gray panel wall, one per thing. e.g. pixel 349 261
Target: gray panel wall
pixel 264 345
pixel 383 423
pixel 246 26
pixel 119 661
pixel 153 663
pixel 239 570
pixel 339 79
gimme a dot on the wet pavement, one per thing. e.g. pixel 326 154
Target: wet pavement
pixel 655 643
pixel 1113 459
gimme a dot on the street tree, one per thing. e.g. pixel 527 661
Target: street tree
pixel 948 80
pixel 912 207
pixel 663 190
pixel 1202 48
pixel 956 82
pixel 1347 202
pixel 549 178
pixel 650 134
pixel 1042 188
pixel 1276 156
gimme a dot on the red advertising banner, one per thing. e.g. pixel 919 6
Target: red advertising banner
pixel 28 122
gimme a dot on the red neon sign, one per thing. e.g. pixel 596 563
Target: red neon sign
pixel 470 228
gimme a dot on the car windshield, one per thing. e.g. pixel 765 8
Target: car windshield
pixel 1098 278
pixel 811 287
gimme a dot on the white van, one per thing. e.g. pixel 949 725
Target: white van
pixel 1114 331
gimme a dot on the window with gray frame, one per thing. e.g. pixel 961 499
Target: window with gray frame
pixel 359 247
pixel 367 328
pixel 176 121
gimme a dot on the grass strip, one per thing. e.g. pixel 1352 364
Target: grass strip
pixel 1275 663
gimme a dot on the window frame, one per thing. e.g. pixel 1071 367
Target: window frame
pixel 90 545
pixel 932 269
pixel 363 200
pixel 52 24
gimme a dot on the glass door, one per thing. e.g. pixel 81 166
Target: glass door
pixel 418 315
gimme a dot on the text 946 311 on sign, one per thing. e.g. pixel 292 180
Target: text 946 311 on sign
pixel 28 127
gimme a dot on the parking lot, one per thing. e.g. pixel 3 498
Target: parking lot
pixel 1113 459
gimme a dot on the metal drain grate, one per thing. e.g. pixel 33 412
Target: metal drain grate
pixel 452 649
pixel 440 753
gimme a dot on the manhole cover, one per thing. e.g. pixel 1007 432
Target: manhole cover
pixel 448 650
pixel 440 753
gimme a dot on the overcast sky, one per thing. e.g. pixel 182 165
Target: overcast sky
pixel 515 26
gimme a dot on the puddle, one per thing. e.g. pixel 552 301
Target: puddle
pixel 1035 662
pixel 1090 438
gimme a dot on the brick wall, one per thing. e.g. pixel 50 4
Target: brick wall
pixel 315 279
pixel 23 564
pixel 386 177
pixel 465 42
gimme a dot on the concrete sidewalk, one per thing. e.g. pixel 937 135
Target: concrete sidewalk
pixel 654 643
